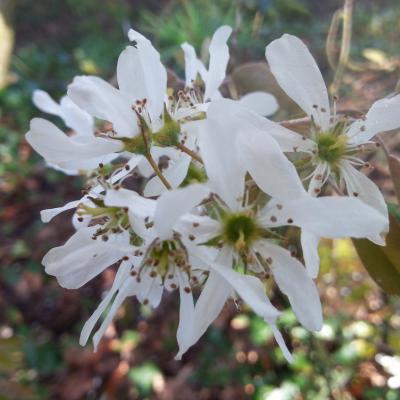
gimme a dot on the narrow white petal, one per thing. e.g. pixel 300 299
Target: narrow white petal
pixel 293 280
pixel 383 116
pixel 219 57
pixel 173 204
pixel 186 315
pixel 331 217
pixel 81 258
pixel 190 63
pixel 262 103
pixel 57 148
pixel 309 244
pixel 48 214
pixel 120 277
pixel 101 100
pixel 217 139
pixel 363 188
pixel 129 288
pixel 44 102
pixel 269 167
pixel 76 118
pixel 297 73
pixel 141 74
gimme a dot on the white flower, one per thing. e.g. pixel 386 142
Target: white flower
pixel 230 147
pixel 334 141
pixel 161 261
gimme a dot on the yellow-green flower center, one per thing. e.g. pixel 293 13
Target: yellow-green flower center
pixel 240 230
pixel 331 147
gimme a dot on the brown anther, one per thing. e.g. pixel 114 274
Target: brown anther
pixel 304 138
pixel 323 109
pixel 153 274
pixel 279 206
pixel 173 286
pixel 269 260
pixel 127 167
pixel 145 302
pixel 133 273
pixel 195 224
pixel 317 190
pixel 146 219
pixel 126 209
pixel 355 194
pixel 138 279
pixel 273 218
pixel 362 129
pixel 377 144
pixel 290 221
pixel 170 276
pixel 192 237
pixel 318 177
pixel 105 238
pixel 101 165
pixel 293 253
pixel 140 253
pixel 80 219
pixel 315 106
pixel 187 289
pixel 125 258
pixel 144 101
pixel 138 102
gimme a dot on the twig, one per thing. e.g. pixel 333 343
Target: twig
pixel 191 153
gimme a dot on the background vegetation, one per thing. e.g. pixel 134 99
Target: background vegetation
pixel 237 359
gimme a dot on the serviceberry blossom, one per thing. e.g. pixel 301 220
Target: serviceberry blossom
pixel 194 193
pixel 248 215
pixel 334 139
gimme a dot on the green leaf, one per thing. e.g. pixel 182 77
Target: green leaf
pixel 383 262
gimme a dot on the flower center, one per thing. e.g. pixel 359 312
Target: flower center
pixel 240 230
pixel 331 147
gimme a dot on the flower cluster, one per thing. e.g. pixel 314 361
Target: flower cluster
pixel 216 186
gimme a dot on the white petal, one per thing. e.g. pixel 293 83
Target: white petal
pixel 77 119
pixel 186 315
pixel 140 208
pixel 331 217
pixel 382 116
pixel 203 228
pixel 57 148
pixel 173 204
pixel 190 63
pixel 293 280
pixel 212 299
pixel 129 288
pixel 297 73
pixel 219 57
pixel 217 139
pixel 141 74
pixel 309 244
pixel 120 277
pixel 48 214
pixel 80 259
pixel 364 189
pixel 44 102
pixel 103 101
pixel 262 103
pixel 269 167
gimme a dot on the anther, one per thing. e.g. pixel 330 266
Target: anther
pixel 133 273
pixel 319 177
pixel 153 274
pixel 192 237
pixel 290 221
pixel 105 238
pixel 195 224
pixel 315 106
pixel 173 286
pixel 127 167
pixel 170 276
pixel 273 218
pixel 187 289
pixel 101 165
pixel 323 109
pixel 145 302
pixel 317 190
pixel 80 219
pixel 362 129
pixel 269 260
pixel 355 194
pixel 279 206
